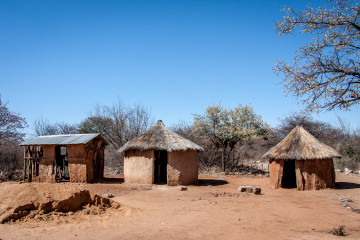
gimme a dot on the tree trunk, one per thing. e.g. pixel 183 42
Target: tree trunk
pixel 223 160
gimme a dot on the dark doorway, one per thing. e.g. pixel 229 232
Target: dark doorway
pixel 289 174
pixel 160 167
pixel 61 164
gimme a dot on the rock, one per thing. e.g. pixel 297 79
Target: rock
pixel 250 189
pixel 345 200
pixel 348 171
pixel 338 170
pixel 107 195
pixel 182 188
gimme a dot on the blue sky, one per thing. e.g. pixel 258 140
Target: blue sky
pixel 59 59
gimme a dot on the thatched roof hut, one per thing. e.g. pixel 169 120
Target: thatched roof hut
pixel 301 161
pixel 161 156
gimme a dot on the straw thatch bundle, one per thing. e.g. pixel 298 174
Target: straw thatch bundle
pixel 299 144
pixel 160 137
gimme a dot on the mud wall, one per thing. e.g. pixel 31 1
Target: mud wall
pixel 46 164
pixel 310 174
pixel 182 168
pixel 315 174
pixel 139 166
pixel 77 163
pixel 276 172
pixel 94 160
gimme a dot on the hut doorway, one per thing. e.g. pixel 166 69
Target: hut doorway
pixel 289 174
pixel 61 164
pixel 160 167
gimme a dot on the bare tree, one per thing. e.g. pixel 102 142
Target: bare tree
pixel 118 123
pixel 10 135
pixel 42 127
pixel 10 124
pixel 323 131
pixel 326 72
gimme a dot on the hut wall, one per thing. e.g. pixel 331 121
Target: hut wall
pixel 77 163
pixel 95 160
pixel 182 168
pixel 139 166
pixel 315 174
pixel 46 164
pixel 276 172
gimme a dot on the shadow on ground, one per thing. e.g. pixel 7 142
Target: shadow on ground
pixel 346 185
pixel 212 182
pixel 112 180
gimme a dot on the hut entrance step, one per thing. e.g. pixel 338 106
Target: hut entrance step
pixel 160 167
pixel 289 175
pixel 61 164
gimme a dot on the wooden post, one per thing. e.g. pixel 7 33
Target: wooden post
pixel 24 171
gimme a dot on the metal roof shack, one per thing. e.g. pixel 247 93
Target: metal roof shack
pixel 66 157
pixel 64 139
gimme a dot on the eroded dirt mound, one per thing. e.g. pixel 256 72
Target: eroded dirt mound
pixel 42 201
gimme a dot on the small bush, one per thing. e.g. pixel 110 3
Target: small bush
pixel 340 231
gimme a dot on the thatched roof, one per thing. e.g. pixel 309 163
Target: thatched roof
pixel 159 137
pixel 299 144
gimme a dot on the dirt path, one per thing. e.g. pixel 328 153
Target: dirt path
pixel 206 212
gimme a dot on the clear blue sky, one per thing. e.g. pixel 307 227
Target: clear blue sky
pixel 59 59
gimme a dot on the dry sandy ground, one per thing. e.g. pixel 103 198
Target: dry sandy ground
pixel 205 212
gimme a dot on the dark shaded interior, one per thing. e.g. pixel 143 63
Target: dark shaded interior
pixel 61 164
pixel 160 167
pixel 289 175
pixel 97 168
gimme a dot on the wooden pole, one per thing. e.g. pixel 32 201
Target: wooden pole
pixel 24 171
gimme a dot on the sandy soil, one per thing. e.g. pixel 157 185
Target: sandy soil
pixel 212 210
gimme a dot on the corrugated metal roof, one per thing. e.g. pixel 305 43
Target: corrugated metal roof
pixel 64 139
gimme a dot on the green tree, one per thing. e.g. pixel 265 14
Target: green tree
pixel 326 71
pixel 227 127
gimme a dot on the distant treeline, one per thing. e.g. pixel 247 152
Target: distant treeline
pixel 231 137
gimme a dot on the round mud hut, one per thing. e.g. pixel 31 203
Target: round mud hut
pixel 301 161
pixel 160 156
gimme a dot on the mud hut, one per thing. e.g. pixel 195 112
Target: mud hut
pixel 70 157
pixel 301 161
pixel 161 156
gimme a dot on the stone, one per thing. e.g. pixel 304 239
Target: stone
pixel 348 171
pixel 345 200
pixel 250 189
pixel 182 188
pixel 107 195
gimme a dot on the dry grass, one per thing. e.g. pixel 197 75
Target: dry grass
pixel 160 137
pixel 299 144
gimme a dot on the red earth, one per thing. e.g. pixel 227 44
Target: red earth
pixel 214 209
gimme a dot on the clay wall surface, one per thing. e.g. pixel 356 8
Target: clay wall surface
pixel 46 164
pixel 77 162
pixel 76 154
pixel 139 166
pixel 276 172
pixel 182 168
pixel 77 172
pixel 315 174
